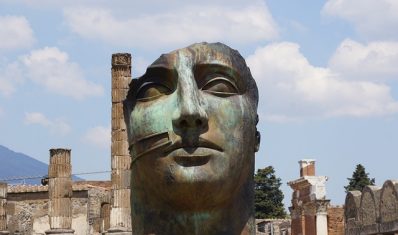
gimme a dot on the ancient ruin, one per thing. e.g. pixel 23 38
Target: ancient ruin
pixel 372 211
pixel 3 209
pixel 120 157
pixel 311 212
pixel 192 121
pixel 273 227
pixel 60 192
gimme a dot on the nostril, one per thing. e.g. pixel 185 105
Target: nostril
pixel 198 122
pixel 184 123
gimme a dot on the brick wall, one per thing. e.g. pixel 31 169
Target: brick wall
pixel 310 225
pixel 335 221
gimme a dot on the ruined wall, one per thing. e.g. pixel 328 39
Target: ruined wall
pixel 372 211
pixel 273 226
pixel 27 209
pixel 335 220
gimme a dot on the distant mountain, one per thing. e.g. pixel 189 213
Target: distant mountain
pixel 18 165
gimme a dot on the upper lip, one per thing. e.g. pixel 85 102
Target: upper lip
pixel 200 143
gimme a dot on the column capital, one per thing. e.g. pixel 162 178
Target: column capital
pixel 121 59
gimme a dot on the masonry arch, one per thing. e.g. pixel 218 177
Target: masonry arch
pixel 369 208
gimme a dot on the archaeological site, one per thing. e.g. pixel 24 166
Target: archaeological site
pixel 63 206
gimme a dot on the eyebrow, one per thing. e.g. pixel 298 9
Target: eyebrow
pixel 229 70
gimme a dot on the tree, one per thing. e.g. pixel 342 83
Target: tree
pixel 359 179
pixel 267 195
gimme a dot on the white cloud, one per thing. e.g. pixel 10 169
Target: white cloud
pixel 56 126
pixel 374 19
pixel 10 75
pixel 99 136
pixel 293 89
pixel 15 32
pixel 51 68
pixel 175 27
pixel 376 61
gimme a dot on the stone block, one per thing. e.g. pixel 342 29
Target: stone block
pixel 121 179
pixel 121 198
pixel 3 190
pixel 60 207
pixel 120 79
pixel 121 59
pixel 118 124
pixel 118 135
pixel 120 148
pixel 118 95
pixel 60 187
pixel 57 222
pixel 59 170
pixel 120 218
pixel 121 162
pixel 117 111
pixel 60 156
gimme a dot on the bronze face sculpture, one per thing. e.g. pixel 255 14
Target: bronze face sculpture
pixel 191 121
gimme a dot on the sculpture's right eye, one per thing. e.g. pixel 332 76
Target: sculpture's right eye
pixel 151 91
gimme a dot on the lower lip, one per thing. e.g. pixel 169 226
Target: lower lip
pixel 191 160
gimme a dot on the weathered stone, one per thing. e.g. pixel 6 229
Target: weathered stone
pixel 121 77
pixel 118 135
pixel 61 187
pixel 120 148
pixel 123 198
pixel 121 179
pixel 118 124
pixel 120 218
pixel 309 204
pixel 59 170
pixel 117 111
pixel 60 192
pixel 60 156
pixel 121 162
pixel 118 95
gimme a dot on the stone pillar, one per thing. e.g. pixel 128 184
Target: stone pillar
pixel 60 192
pixel 310 196
pixel 120 218
pixel 322 217
pixel 3 208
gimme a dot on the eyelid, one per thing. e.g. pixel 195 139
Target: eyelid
pixel 221 77
pixel 150 84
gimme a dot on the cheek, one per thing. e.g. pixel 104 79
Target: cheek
pixel 233 118
pixel 151 117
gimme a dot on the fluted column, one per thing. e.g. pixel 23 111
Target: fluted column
pixel 120 218
pixel 3 208
pixel 60 192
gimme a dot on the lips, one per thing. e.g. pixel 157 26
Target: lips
pixel 192 147
pixel 189 155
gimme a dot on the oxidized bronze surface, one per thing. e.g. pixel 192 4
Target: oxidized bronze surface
pixel 191 120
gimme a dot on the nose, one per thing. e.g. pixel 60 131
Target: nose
pixel 190 114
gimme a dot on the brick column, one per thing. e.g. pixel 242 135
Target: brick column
pixel 120 218
pixel 60 192
pixel 3 208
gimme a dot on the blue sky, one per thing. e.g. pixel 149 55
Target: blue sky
pixel 326 71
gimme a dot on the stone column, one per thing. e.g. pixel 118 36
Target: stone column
pixel 120 218
pixel 3 208
pixel 322 217
pixel 60 192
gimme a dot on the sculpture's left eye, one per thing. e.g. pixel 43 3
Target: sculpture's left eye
pixel 151 91
pixel 220 86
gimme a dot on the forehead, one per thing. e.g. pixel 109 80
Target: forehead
pixel 203 53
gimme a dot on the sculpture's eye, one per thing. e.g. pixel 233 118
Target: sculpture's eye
pixel 220 86
pixel 150 91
